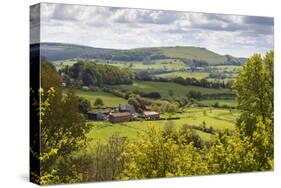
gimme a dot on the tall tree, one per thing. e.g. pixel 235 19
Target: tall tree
pixel 62 127
pixel 254 89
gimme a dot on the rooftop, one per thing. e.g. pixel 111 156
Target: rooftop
pixel 149 113
pixel 120 114
pixel 98 111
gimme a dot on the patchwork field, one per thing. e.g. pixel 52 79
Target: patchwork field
pixel 164 87
pixel 165 64
pixel 227 68
pixel 232 103
pixel 197 75
pixel 168 68
pixel 196 116
pixel 217 118
pixel 109 100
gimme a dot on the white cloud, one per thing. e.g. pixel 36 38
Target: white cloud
pixel 131 28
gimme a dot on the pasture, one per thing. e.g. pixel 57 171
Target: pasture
pixel 162 64
pixel 164 87
pixel 217 118
pixel 231 103
pixel 109 100
pixel 193 53
pixel 61 64
pixel 197 75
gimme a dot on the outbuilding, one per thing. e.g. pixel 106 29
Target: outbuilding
pixel 98 115
pixel 151 115
pixel 118 117
pixel 127 108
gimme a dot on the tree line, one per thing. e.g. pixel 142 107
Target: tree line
pixel 92 74
pixel 145 76
pixel 88 73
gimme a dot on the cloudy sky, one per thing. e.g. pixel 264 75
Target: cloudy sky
pixel 123 28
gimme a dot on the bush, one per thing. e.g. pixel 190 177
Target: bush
pixel 84 105
pixel 153 95
pixel 155 107
pixel 216 104
pixel 194 94
pixel 168 107
pixel 99 102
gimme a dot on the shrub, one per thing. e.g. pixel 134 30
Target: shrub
pixel 98 102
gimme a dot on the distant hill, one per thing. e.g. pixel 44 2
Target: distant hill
pixel 61 51
pixel 190 55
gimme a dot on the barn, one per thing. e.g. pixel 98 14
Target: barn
pixel 117 117
pixel 151 115
pixel 97 115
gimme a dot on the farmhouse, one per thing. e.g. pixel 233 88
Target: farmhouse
pixel 117 117
pixel 151 115
pixel 98 115
pixel 127 108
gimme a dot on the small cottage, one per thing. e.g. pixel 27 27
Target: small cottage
pixel 117 117
pixel 151 115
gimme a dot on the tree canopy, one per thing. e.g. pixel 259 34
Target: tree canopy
pixel 92 74
pixel 254 88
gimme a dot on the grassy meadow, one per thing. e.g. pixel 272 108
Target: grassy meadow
pixel 217 118
pixel 108 99
pixel 163 88
pixel 197 75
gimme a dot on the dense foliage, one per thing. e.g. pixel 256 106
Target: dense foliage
pixel 255 93
pixel 92 74
pixel 145 76
pixel 84 105
pixel 254 87
pixel 62 128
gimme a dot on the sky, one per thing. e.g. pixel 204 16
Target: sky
pixel 124 28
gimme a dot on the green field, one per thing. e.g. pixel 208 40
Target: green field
pixel 164 87
pixel 169 65
pixel 193 53
pixel 221 80
pixel 162 64
pixel 109 100
pixel 175 66
pixel 217 118
pixel 232 103
pixel 62 64
pixel 221 68
pixel 197 75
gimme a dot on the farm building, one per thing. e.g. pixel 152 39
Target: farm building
pixel 151 115
pixel 127 108
pixel 98 115
pixel 119 117
pixel 86 88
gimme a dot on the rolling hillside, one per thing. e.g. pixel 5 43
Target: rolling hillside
pixel 190 55
pixel 194 53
